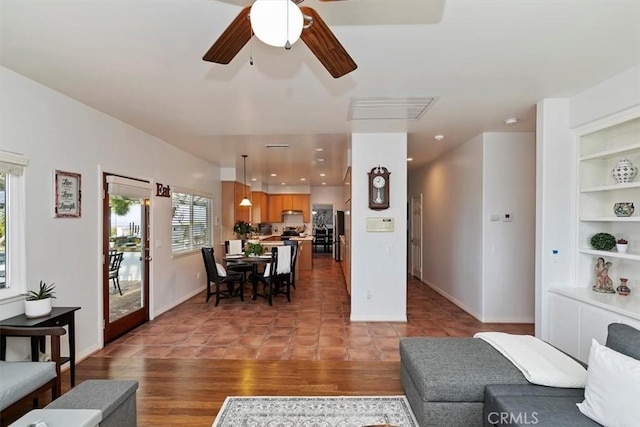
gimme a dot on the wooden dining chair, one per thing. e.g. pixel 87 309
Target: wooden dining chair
pixel 217 275
pixel 321 239
pixel 277 274
pixel 295 247
pixel 231 248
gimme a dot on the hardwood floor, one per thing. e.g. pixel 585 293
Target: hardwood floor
pixel 188 360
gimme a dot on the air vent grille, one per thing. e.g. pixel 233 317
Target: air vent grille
pixel 389 108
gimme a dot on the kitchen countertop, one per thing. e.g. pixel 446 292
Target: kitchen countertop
pixel 263 238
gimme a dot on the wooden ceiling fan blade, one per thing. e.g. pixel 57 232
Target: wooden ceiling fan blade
pixel 232 40
pixel 325 46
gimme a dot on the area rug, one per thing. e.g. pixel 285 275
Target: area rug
pixel 342 411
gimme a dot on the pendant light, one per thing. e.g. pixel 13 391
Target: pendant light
pixel 245 200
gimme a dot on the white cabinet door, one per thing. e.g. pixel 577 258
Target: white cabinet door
pixel 564 321
pixel 594 322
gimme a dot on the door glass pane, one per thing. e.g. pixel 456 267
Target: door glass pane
pixel 125 255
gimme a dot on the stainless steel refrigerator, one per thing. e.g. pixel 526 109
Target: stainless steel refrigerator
pixel 338 230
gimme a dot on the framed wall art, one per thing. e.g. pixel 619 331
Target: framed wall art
pixel 67 194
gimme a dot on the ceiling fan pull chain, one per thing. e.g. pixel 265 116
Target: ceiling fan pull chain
pixel 251 46
pixel 287 45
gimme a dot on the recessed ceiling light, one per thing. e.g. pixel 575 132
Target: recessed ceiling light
pixel 321 160
pixel 253 179
pixel 303 179
pixel 324 183
pixel 323 174
pixel 409 159
pixel 511 121
pixel 273 174
pixel 438 137
pixel 319 149
pixel 283 183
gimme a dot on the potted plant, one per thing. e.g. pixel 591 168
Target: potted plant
pixel 603 241
pixel 38 304
pixel 254 249
pixel 621 245
pixel 242 229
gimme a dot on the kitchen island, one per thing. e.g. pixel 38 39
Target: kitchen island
pixel 305 249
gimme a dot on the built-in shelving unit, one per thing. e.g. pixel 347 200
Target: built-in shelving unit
pixel 599 149
pixel 577 313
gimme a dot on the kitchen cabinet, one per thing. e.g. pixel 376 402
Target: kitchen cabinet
pixel 305 255
pixel 260 208
pixel 347 185
pixel 286 202
pixel 232 212
pixel 275 208
pixel 302 202
pixel 345 240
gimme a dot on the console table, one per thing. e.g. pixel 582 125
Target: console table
pixel 60 316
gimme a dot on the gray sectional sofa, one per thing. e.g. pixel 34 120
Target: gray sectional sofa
pixel 465 381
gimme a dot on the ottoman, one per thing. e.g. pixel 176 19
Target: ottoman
pixel 445 378
pixel 60 418
pixel 116 400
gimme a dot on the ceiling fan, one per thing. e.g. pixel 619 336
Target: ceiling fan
pixel 315 34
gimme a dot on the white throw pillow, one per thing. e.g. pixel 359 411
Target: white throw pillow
pixel 221 271
pixel 612 393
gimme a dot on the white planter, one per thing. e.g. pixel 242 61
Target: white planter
pixel 622 248
pixel 37 308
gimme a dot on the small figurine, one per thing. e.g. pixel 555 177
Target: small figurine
pixel 604 283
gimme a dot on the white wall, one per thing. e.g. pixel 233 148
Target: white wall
pixel 452 224
pixel 378 260
pixel 56 132
pixel 328 195
pixel 509 186
pixel 556 176
pixel 555 184
pixel 485 267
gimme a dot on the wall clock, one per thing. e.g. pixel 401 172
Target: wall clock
pixel 379 188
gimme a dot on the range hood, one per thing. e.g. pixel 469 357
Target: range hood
pixel 292 212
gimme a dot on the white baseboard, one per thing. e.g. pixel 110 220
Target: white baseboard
pixel 374 318
pixel 175 303
pixel 477 315
pixel 508 320
pixel 453 300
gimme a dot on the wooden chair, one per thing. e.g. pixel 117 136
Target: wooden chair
pixel 214 276
pixel 277 274
pixel 321 238
pixel 37 387
pixel 294 256
pixel 115 260
pixel 237 266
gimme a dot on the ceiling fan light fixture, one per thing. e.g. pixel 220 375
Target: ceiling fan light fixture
pixel 276 23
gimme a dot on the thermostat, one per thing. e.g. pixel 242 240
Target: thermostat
pixel 379 224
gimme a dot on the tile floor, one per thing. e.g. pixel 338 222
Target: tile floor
pixel 313 326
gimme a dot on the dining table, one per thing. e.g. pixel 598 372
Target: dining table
pixel 257 276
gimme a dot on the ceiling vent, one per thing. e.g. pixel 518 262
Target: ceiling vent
pixel 277 145
pixel 389 108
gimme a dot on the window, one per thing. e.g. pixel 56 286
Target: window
pixel 191 222
pixel 12 227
